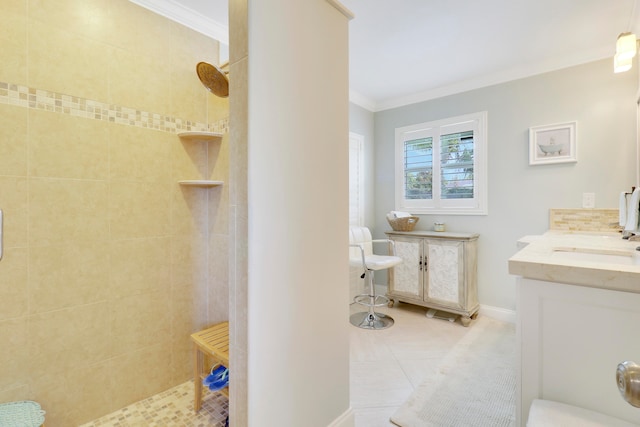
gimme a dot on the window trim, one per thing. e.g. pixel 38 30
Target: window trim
pixel 478 205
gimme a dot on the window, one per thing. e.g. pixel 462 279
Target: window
pixel 441 166
pixel 356 179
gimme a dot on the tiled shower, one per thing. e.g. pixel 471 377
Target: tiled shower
pixel 108 263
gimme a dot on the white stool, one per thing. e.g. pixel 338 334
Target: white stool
pixel 361 255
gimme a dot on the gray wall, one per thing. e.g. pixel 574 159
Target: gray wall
pixel 520 196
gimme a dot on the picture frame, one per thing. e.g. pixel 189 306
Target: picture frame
pixel 550 144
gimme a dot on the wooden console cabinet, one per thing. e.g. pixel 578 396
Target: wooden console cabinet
pixel 439 271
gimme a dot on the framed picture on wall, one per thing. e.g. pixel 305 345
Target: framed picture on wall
pixel 552 144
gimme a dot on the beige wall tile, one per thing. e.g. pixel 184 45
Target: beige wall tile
pixel 64 62
pixel 238 237
pixel 65 210
pixel 139 266
pixel 138 154
pixel 91 385
pixel 239 393
pixel 13 139
pixel 238 31
pixel 192 46
pixel 15 393
pixel 239 272
pixel 139 81
pixel 14 289
pixel 13 38
pixel 138 30
pixel 63 340
pixel 94 387
pixel 14 199
pixel 218 278
pixel 189 96
pixel 141 374
pixel 218 159
pixel 68 275
pixel 138 209
pixel 217 108
pixel 188 315
pixel 14 361
pixel 139 321
pixel 18 7
pixel 188 260
pixel 107 252
pixel 77 149
pixel 182 363
pixel 189 210
pixel 87 18
pixel 188 311
pixel 190 159
pixel 238 133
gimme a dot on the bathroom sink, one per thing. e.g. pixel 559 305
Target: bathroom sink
pixel 607 256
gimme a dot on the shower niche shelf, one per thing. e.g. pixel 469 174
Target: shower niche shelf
pixel 200 136
pixel 202 183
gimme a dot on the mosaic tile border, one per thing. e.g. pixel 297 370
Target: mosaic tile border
pixel 23 96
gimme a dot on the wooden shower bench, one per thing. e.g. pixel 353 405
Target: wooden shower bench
pixel 212 342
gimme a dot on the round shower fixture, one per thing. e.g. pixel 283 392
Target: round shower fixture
pixel 214 79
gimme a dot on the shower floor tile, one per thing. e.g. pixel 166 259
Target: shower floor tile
pixel 173 407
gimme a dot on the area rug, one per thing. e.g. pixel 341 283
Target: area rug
pixel 474 385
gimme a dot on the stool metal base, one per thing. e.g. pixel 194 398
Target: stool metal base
pixel 371 320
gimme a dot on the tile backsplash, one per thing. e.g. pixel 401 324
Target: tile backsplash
pixel 584 219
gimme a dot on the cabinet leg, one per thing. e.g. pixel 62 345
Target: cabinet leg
pixel 474 316
pixel 390 303
pixel 465 320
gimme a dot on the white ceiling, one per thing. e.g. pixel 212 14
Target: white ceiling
pixel 217 10
pixel 406 51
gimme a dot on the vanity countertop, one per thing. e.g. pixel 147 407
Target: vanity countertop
pixel 600 260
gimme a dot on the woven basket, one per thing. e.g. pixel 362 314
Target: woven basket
pixel 403 224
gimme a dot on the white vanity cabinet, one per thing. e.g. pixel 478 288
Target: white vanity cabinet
pixel 439 270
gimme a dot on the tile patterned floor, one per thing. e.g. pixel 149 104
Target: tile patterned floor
pixel 173 408
pixel 386 366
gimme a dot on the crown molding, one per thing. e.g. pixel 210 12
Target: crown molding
pixel 188 17
pixel 521 72
pixel 361 100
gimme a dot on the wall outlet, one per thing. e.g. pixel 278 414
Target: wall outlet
pixel 588 200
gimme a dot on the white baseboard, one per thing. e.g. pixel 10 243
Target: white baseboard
pixel 498 313
pixel 347 419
